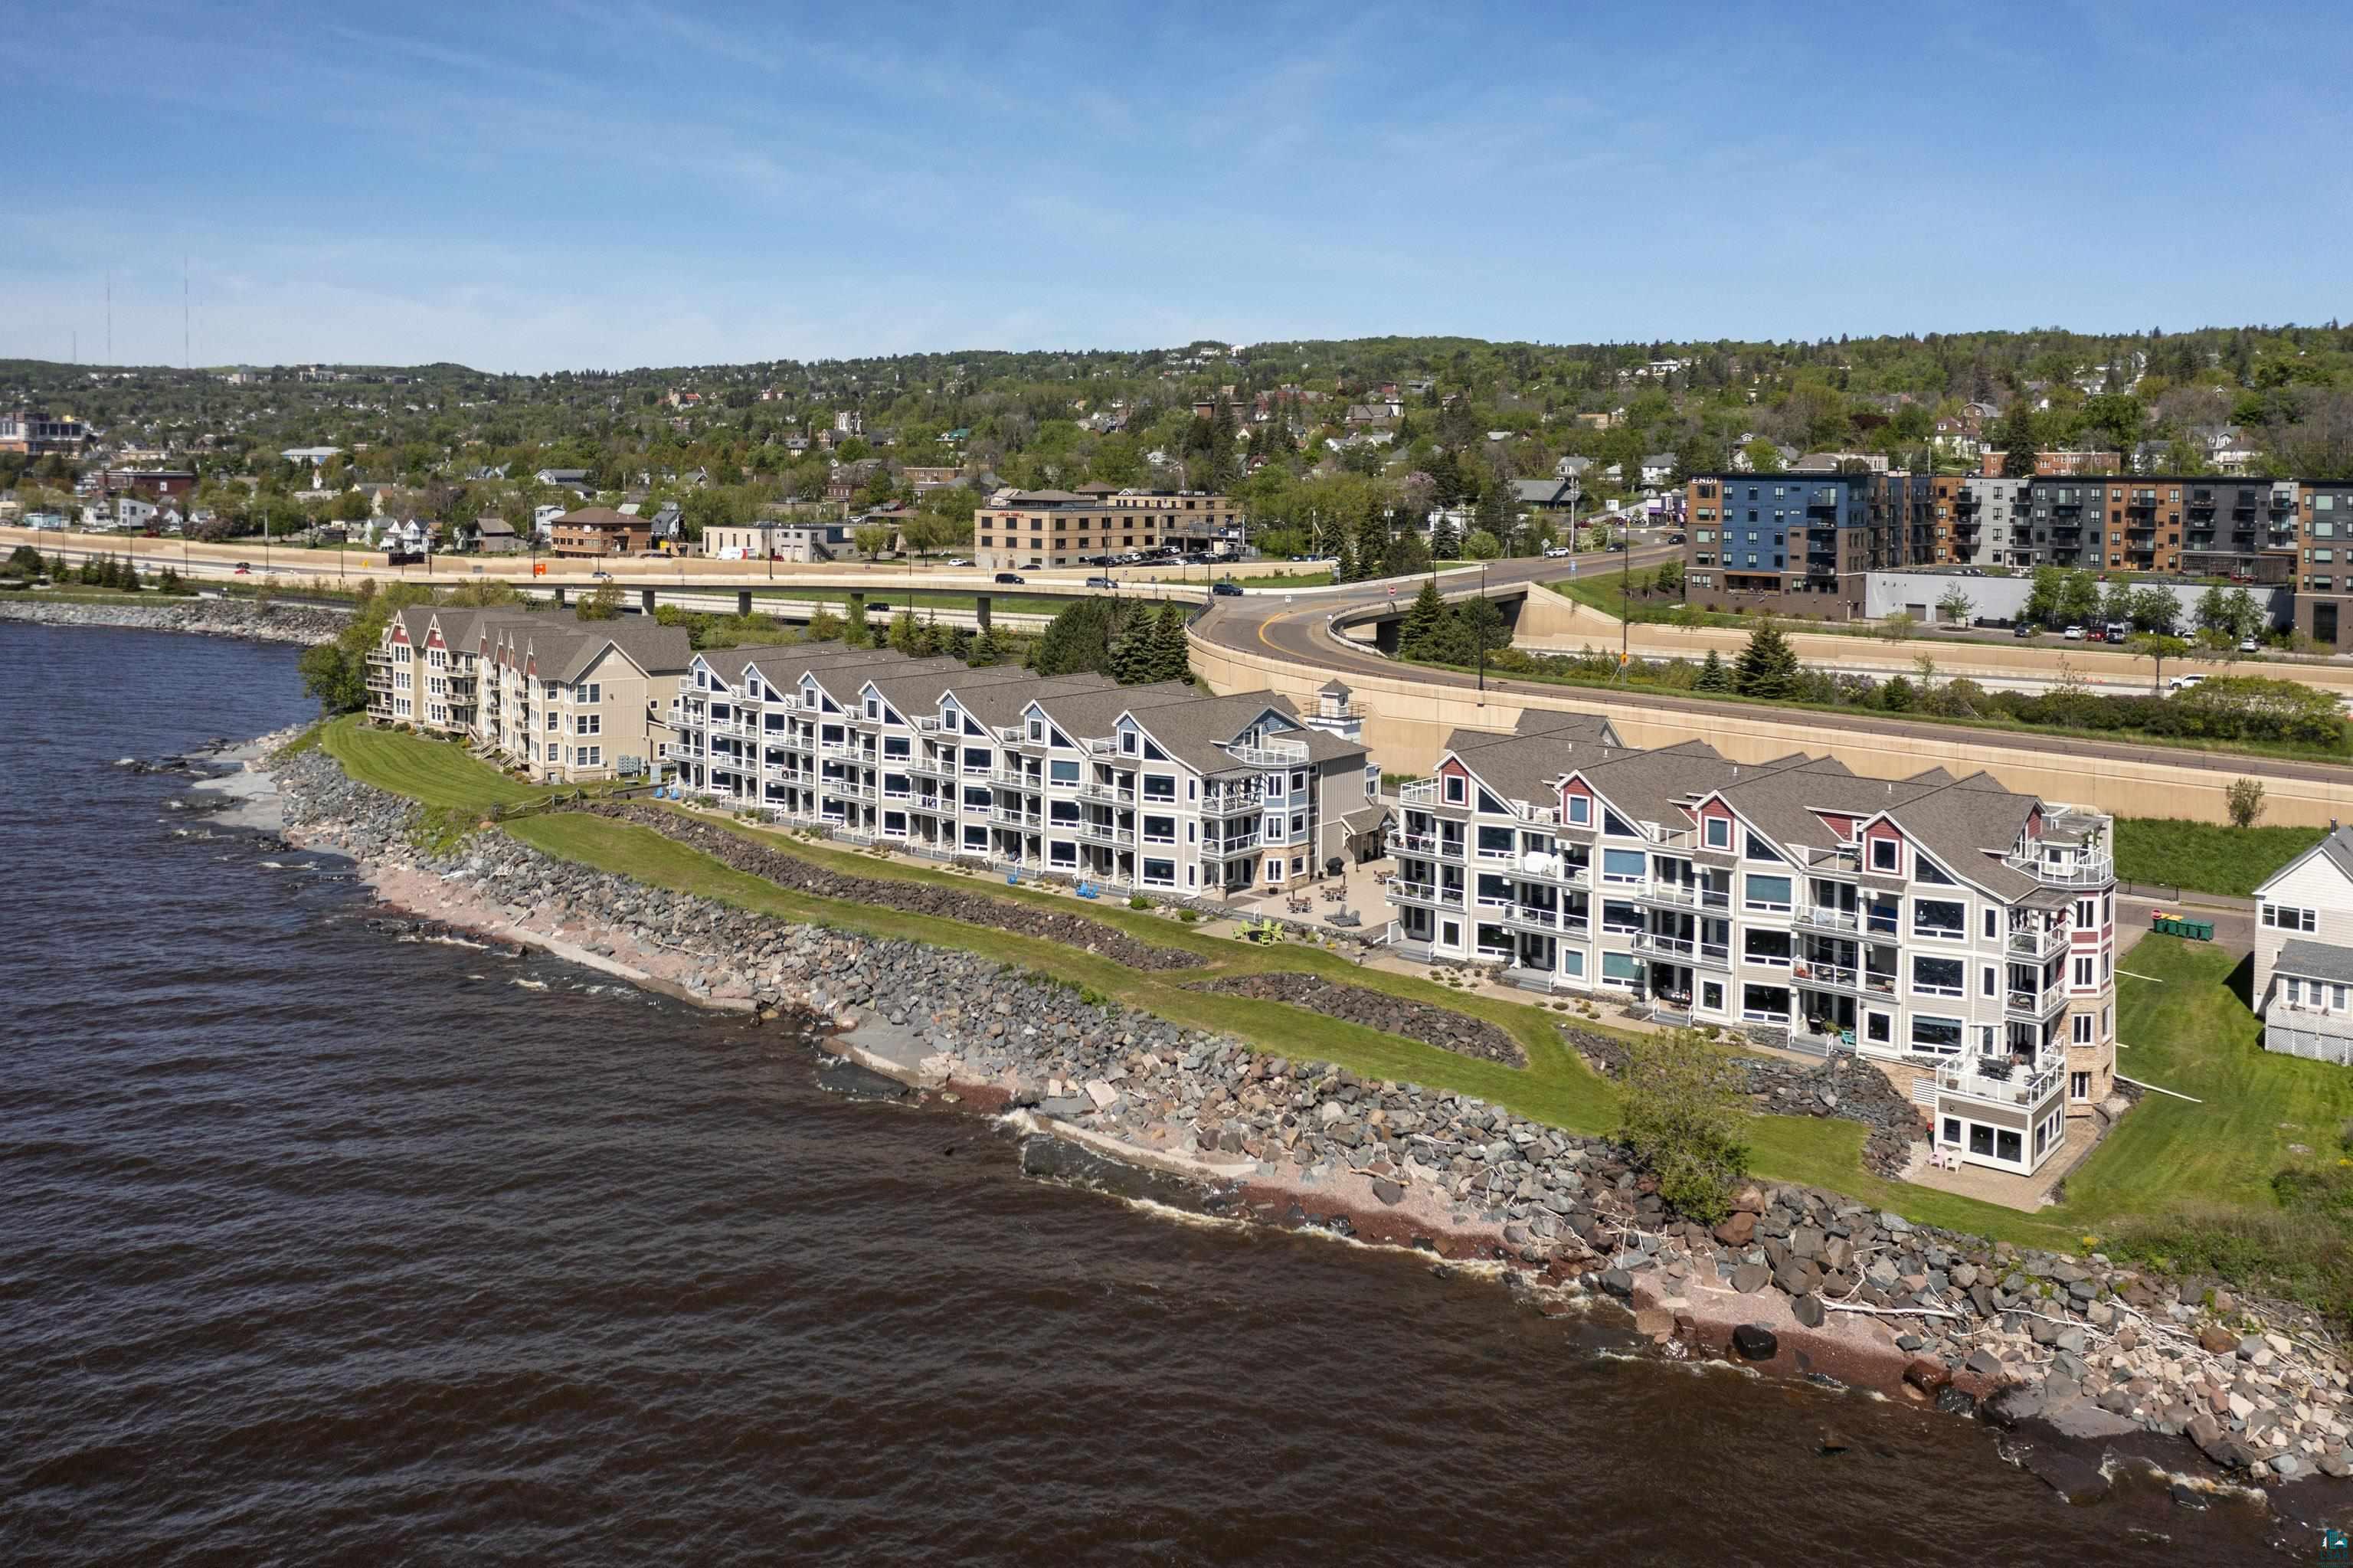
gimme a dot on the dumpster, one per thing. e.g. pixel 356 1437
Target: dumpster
pixel 2198 930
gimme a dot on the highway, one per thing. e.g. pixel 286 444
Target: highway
pixel 1300 633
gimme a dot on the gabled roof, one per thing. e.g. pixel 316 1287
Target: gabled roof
pixel 1001 703
pixel 1197 733
pixel 2337 848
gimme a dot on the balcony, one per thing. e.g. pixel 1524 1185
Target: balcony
pixel 2039 944
pixel 1826 976
pixel 2019 1088
pixel 1271 754
pixel 1683 896
pixel 1403 892
pixel 1821 917
pixel 1531 917
pixel 1105 834
pixel 2031 1007
pixel 1121 794
pixel 1423 794
pixel 1012 816
pixel 1016 779
pixel 1680 948
pixel 2074 871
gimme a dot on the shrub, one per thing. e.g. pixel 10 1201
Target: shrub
pixel 1138 901
pixel 1680 1116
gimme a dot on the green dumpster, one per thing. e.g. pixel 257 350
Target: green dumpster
pixel 2198 930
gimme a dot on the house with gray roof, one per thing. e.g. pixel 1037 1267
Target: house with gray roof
pixel 2303 953
pixel 1954 934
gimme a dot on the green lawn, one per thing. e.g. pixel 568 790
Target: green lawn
pixel 1303 577
pixel 1011 602
pixel 2206 856
pixel 2185 1027
pixel 2189 1034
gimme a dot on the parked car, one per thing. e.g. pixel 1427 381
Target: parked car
pixel 1010 577
pixel 2025 629
pixel 2118 630
pixel 1102 582
pixel 2249 646
pixel 2074 634
pixel 958 561
pixel 1226 588
pixel 1556 552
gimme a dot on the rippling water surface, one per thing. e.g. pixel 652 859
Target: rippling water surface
pixel 319 1248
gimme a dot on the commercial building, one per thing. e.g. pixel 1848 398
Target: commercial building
pixel 567 700
pixel 1160 788
pixel 1020 529
pixel 39 435
pixel 2243 528
pixel 1799 544
pixel 1959 935
pixel 2303 953
pixel 600 531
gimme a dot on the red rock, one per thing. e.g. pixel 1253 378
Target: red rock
pixel 1738 1230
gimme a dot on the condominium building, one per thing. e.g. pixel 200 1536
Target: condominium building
pixel 1068 527
pixel 567 700
pixel 1957 933
pixel 588 531
pixel 2241 528
pixel 1160 788
pixel 2324 584
pixel 40 435
pixel 1800 543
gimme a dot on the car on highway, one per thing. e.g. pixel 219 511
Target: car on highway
pixel 2074 634
pixel 242 570
pixel 2026 628
pixel 1556 552
pixel 2186 683
pixel 1009 577
pixel 1102 582
pixel 600 577
pixel 1225 587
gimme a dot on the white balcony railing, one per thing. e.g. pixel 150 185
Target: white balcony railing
pixel 2070 871
pixel 2022 1087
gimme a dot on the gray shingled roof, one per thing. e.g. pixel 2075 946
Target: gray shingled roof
pixel 2315 960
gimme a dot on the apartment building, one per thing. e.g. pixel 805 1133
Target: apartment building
pixel 1018 528
pixel 567 701
pixel 1799 544
pixel 1159 788
pixel 600 531
pixel 36 434
pixel 2303 953
pixel 1958 935
pixel 1988 521
pixel 2243 528
pixel 2324 584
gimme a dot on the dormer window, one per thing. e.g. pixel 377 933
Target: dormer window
pixel 1886 856
pixel 1127 741
pixel 1716 833
pixel 1455 791
pixel 1581 812
pixel 1036 730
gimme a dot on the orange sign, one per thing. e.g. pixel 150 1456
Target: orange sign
pixel 539 568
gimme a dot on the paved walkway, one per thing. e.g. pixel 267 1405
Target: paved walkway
pixel 1990 1186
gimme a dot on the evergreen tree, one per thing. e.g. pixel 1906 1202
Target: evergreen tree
pixel 1406 555
pixel 1172 655
pixel 1713 675
pixel 1077 641
pixel 1132 651
pixel 1343 560
pixel 1422 621
pixel 1372 542
pixel 983 650
pixel 1767 666
pixel 1445 541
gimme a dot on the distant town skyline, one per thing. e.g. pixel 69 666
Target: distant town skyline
pixel 556 187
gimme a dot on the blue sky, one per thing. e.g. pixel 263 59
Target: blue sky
pixel 536 187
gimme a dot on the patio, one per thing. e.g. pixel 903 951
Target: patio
pixel 2022 1192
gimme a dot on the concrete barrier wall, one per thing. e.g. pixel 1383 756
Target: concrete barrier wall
pixel 1408 720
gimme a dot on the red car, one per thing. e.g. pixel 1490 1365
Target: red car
pixel 242 570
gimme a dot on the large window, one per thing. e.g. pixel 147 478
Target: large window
pixel 1061 771
pixel 1939 918
pixel 1160 830
pixel 1159 874
pixel 1159 787
pixel 1770 893
pixel 1619 969
pixel 1937 1036
pixel 1886 855
pixel 2287 917
pixel 1938 977
pixel 1622 865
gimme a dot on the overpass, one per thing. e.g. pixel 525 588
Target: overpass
pixel 1296 643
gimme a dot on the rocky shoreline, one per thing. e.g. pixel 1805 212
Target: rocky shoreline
pixel 297 624
pixel 1797 1281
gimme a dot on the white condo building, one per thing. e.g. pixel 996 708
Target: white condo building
pixel 1160 788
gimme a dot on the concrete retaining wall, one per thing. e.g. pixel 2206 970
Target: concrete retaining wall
pixel 1408 719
